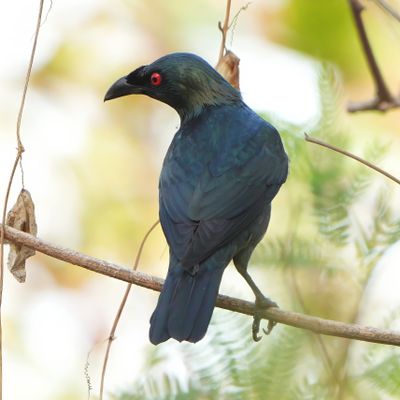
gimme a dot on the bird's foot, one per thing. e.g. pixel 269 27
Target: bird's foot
pixel 261 304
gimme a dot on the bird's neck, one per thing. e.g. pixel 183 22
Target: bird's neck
pixel 197 103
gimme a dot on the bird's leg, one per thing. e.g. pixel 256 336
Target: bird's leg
pixel 262 302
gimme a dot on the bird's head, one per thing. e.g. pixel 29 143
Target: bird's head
pixel 182 80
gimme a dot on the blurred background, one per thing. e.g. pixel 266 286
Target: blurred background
pixel 332 248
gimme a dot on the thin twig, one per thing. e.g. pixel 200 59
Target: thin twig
pixel 381 88
pixel 383 100
pixel 235 18
pixel 18 159
pixel 224 29
pixel 111 337
pixel 87 375
pixel 381 171
pixel 324 351
pixel 232 24
pixel 376 104
pixel 299 296
pixel 314 324
pixel 388 8
pixel 351 155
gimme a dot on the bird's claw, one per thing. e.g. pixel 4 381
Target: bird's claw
pixel 256 328
pixel 262 303
pixel 270 326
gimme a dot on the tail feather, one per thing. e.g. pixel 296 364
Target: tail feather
pixel 186 304
pixel 203 319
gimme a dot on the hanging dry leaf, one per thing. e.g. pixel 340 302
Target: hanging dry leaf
pixel 228 67
pixel 21 217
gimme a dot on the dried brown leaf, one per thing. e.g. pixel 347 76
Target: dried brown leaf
pixel 228 67
pixel 21 217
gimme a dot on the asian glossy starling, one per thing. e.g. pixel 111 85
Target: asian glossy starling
pixel 223 168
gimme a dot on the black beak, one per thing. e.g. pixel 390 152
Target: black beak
pixel 121 88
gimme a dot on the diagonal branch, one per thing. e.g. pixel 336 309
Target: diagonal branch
pixel 351 155
pixel 383 99
pixel 381 89
pixel 314 324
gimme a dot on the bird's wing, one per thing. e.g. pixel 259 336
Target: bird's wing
pixel 228 196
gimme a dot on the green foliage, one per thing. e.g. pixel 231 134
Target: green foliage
pixel 383 230
pixel 323 29
pixel 301 252
pixel 385 375
pixel 227 366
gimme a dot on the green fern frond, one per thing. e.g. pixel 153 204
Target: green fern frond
pixel 330 95
pixel 381 230
pixel 386 375
pixel 298 252
pixel 312 389
pixel 277 370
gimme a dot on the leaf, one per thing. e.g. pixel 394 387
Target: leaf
pixel 21 217
pixel 228 67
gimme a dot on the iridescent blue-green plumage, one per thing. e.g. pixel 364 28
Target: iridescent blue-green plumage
pixel 219 176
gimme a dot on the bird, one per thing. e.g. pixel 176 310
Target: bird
pixel 219 176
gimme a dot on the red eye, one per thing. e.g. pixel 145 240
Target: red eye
pixel 155 79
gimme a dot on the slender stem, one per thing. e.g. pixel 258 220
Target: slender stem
pixel 111 337
pixel 2 266
pixel 383 100
pixel 381 89
pixel 348 154
pixel 324 351
pixel 224 29
pixel 18 159
pixel 383 172
pixel 314 324
pixel 389 9
pixel 374 104
pixel 235 18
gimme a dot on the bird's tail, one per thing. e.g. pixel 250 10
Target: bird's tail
pixel 185 305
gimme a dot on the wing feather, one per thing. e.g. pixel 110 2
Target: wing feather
pixel 209 197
